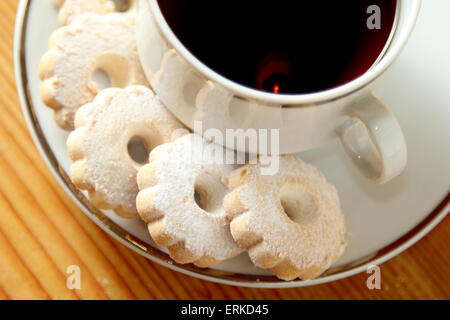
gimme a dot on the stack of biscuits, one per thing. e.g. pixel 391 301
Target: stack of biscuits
pixel 201 210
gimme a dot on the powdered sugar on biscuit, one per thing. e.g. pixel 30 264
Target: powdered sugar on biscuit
pixel 70 9
pixel 303 244
pixel 99 150
pixel 192 232
pixel 92 42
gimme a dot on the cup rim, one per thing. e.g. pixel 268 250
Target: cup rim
pixel 292 99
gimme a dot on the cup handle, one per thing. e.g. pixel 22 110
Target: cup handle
pixel 374 140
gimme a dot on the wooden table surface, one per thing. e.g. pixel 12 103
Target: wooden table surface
pixel 42 232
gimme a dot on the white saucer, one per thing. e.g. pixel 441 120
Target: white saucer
pixel 382 220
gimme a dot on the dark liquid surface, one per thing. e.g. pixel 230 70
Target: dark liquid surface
pixel 282 46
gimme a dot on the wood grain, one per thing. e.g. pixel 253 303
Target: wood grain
pixel 42 232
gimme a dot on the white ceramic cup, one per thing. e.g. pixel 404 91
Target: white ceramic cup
pixel 368 130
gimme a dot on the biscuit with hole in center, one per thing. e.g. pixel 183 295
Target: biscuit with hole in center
pixel 93 42
pixel 290 222
pixel 103 163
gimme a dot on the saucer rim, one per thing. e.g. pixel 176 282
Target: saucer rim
pixel 155 255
